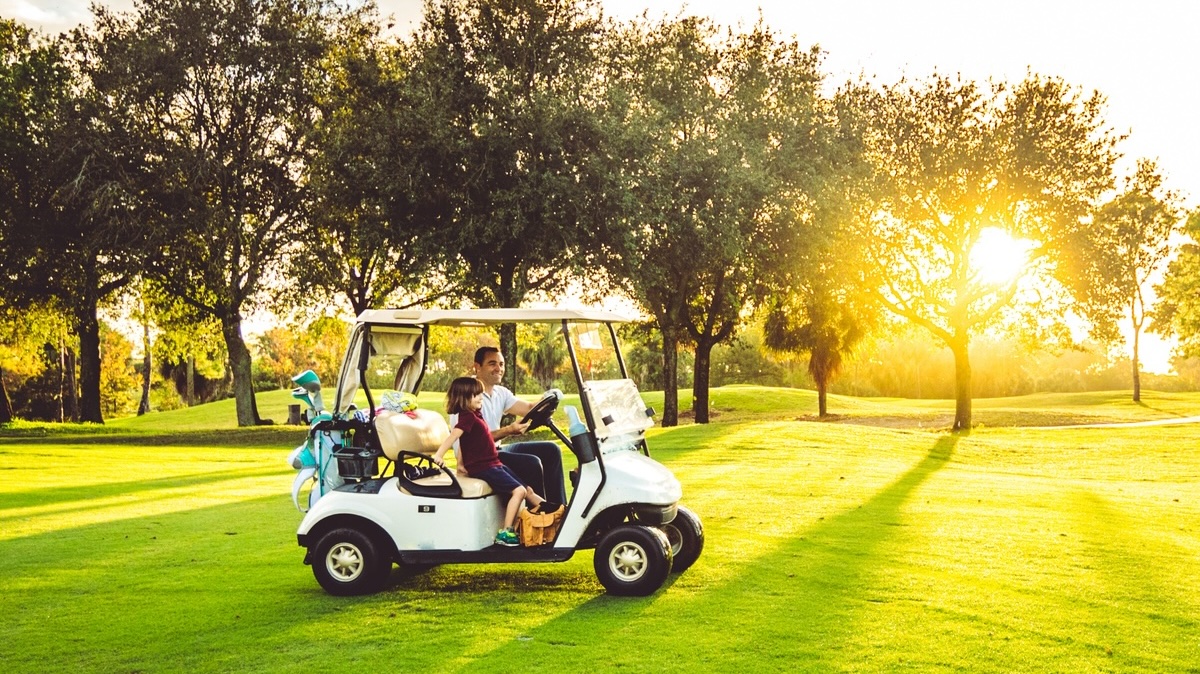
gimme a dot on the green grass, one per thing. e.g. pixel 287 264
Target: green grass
pixel 166 544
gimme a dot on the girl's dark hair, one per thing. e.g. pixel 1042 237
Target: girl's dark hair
pixel 460 393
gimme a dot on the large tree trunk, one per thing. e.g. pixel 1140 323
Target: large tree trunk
pixel 822 387
pixel 820 368
pixel 1137 376
pixel 700 378
pixel 87 326
pixel 962 384
pixel 191 380
pixel 68 391
pixel 670 383
pixel 6 412
pixel 144 405
pixel 508 347
pixel 239 366
pixel 62 379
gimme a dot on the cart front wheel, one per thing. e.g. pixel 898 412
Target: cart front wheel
pixel 633 561
pixel 687 539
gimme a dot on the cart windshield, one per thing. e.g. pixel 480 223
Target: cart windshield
pixel 617 412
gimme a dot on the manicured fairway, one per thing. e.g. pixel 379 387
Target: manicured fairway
pixel 164 547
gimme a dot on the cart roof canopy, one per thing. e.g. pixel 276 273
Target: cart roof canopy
pixel 480 317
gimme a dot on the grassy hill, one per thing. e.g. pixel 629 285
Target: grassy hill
pixel 877 542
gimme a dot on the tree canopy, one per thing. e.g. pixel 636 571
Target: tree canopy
pixel 1178 310
pixel 223 92
pixel 1132 242
pixel 719 147
pixel 954 159
pixel 509 88
pixel 235 153
pixel 377 203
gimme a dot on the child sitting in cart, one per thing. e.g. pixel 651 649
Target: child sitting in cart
pixel 476 453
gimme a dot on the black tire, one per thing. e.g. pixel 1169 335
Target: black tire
pixel 686 537
pixel 348 562
pixel 633 561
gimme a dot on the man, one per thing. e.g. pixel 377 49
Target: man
pixel 538 463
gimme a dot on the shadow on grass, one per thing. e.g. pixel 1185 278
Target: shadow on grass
pixel 81 493
pixel 1135 589
pixel 283 436
pixel 176 591
pixel 678 441
pixel 1170 413
pixel 800 597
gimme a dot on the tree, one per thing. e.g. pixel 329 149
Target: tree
pixel 224 92
pixel 817 304
pixel 720 146
pixel 823 320
pixel 952 160
pixel 186 336
pixel 23 334
pixel 286 351
pixel 544 354
pixel 371 229
pixel 1178 310
pixel 118 379
pixel 507 88
pixel 72 235
pixel 1132 242
pixel 24 67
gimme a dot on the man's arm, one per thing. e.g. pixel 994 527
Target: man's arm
pixel 519 408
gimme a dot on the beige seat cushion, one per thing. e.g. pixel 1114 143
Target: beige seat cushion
pixel 422 433
pixel 472 487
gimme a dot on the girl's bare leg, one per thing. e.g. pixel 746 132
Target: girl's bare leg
pixel 514 506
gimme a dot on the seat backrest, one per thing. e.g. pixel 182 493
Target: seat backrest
pixel 423 432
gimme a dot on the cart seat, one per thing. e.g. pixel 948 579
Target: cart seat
pixel 422 431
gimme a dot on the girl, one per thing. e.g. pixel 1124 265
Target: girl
pixel 476 453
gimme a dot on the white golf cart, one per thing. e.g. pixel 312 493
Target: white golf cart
pixel 360 519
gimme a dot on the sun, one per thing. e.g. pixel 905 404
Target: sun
pixel 998 258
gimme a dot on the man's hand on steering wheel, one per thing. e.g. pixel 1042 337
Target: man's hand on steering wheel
pixel 540 414
pixel 516 428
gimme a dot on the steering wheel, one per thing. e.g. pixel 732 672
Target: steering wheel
pixel 541 412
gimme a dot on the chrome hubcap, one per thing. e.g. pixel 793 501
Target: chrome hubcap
pixel 344 562
pixel 628 561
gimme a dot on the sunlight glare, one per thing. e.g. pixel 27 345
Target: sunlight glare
pixel 998 258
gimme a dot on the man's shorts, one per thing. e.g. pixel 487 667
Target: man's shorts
pixel 500 478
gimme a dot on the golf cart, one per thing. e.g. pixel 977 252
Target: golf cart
pixel 360 519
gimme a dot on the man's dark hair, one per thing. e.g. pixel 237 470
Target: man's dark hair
pixel 482 352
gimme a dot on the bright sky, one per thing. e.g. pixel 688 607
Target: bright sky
pixel 1140 53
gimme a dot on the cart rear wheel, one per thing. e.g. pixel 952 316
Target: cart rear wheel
pixel 348 562
pixel 633 561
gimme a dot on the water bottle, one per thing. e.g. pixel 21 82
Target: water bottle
pixel 583 443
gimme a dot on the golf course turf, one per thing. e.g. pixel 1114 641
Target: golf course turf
pixel 875 542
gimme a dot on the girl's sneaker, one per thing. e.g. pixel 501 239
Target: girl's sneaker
pixel 508 538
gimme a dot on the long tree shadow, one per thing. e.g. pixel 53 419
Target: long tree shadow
pixel 820 579
pixel 1143 580
pixel 158 592
pixel 1164 411
pixel 89 492
pixel 679 441
pixel 262 436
